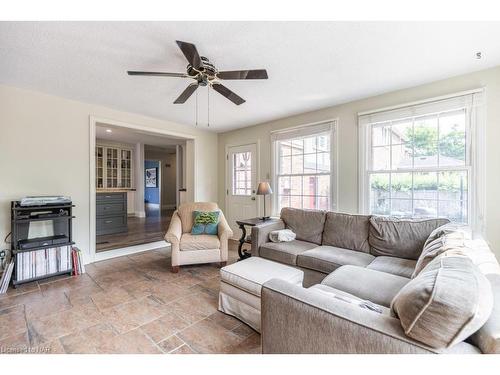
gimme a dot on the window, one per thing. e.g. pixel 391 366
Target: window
pixel 242 173
pixel 418 160
pixel 303 172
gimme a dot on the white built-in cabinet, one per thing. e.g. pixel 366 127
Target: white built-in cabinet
pixel 114 167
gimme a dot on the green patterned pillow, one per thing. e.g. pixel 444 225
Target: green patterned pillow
pixel 205 222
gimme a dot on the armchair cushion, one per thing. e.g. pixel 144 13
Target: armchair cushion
pixel 191 242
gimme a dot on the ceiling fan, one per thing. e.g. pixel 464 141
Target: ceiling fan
pixel 205 74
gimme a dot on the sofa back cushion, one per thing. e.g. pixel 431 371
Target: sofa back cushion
pixel 446 303
pixel 185 212
pixel 306 224
pixel 347 231
pixel 402 238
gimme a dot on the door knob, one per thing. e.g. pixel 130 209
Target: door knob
pixel 253 198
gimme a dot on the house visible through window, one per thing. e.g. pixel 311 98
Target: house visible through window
pixel 418 161
pixel 303 170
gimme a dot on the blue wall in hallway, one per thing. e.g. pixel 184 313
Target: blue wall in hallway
pixel 152 195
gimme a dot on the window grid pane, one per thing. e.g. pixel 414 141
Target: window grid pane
pixel 242 173
pixel 418 167
pixel 304 172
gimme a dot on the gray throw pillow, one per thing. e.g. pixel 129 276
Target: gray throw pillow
pixel 446 303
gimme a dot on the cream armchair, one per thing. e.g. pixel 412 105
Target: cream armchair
pixel 200 248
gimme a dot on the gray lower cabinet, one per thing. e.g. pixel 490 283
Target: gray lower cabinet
pixel 111 213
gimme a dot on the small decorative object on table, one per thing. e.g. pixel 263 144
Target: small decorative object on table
pixel 264 189
pixel 256 221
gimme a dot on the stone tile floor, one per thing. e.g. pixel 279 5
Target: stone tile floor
pixel 130 304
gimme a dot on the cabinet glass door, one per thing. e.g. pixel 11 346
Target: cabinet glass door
pixel 126 168
pixel 99 167
pixel 112 167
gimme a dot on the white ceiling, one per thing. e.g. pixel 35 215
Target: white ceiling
pixel 131 136
pixel 311 65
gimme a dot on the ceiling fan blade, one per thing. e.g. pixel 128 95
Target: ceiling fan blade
pixel 191 53
pixel 243 74
pixel 224 91
pixel 186 93
pixel 158 74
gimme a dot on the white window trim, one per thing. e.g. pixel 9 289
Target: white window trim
pixel 304 130
pixel 476 166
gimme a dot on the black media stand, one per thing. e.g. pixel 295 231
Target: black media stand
pixel 38 257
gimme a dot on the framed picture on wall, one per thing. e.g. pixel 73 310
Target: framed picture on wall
pixel 151 181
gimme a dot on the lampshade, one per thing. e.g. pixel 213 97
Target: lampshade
pixel 264 189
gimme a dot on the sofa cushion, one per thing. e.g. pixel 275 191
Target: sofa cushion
pixel 349 298
pixel 191 242
pixel 446 303
pixel 401 238
pixel 328 258
pixel 393 265
pixel 308 225
pixel 375 286
pixel 347 231
pixel 285 252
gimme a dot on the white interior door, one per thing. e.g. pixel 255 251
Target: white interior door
pixel 241 177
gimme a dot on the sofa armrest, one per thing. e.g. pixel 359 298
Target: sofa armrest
pixel 298 320
pixel 260 234
pixel 225 233
pixel 173 235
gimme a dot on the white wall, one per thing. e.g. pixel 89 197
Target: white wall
pixel 44 149
pixel 348 139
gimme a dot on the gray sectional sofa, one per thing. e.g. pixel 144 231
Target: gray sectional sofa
pixel 376 284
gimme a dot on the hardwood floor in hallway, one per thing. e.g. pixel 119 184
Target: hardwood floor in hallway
pixel 141 230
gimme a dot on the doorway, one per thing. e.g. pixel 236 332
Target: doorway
pixel 122 193
pixel 241 178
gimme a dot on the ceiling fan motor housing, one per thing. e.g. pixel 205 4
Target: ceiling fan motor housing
pixel 206 72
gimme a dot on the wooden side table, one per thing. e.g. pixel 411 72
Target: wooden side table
pixel 256 221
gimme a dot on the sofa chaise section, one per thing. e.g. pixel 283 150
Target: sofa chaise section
pixel 297 320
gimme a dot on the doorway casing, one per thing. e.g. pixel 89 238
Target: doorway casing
pixel 189 168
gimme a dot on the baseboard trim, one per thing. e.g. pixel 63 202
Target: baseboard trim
pixel 104 255
pixel 140 214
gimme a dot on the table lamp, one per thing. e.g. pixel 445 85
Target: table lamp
pixel 264 189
